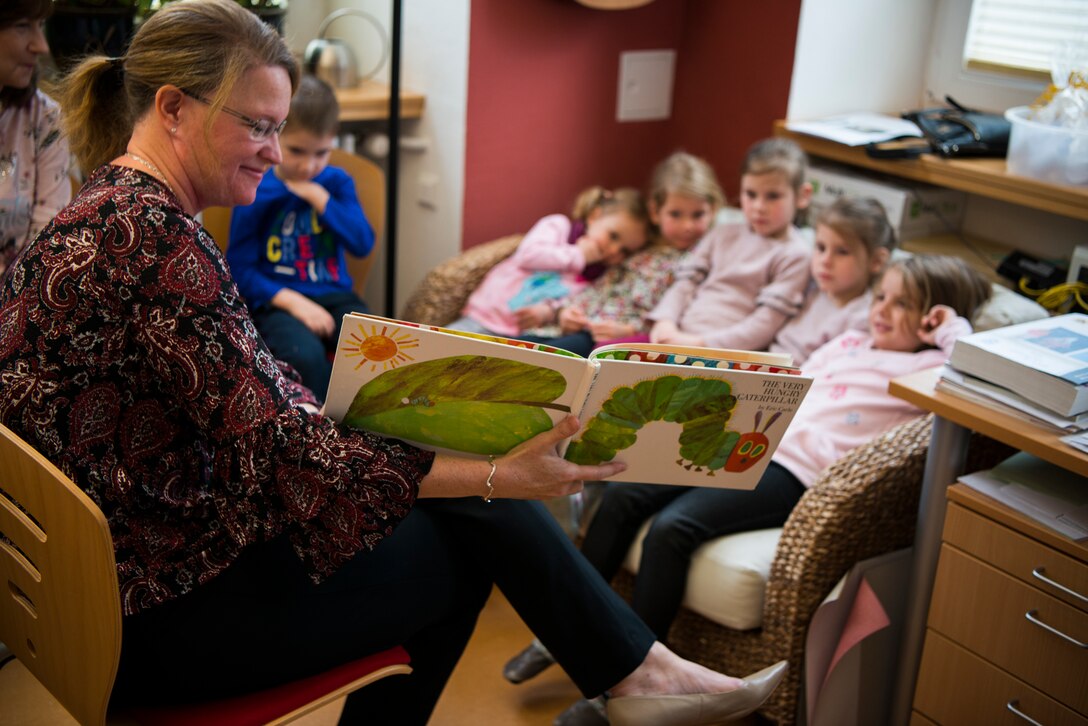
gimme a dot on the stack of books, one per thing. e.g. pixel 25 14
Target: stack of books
pixel 1038 369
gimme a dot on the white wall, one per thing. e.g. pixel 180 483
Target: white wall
pixel 859 55
pixel 891 56
pixel 434 62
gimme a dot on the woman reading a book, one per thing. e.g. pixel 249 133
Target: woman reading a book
pixel 256 541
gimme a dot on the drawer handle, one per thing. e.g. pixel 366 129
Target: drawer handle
pixel 1030 615
pixel 1012 706
pixel 1038 573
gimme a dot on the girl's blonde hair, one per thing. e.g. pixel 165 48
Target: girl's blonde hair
pixel 201 46
pixel 860 218
pixel 930 280
pixel 624 199
pixel 777 155
pixel 688 176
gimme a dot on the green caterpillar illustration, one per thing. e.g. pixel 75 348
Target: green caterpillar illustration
pixel 702 406
pixel 470 403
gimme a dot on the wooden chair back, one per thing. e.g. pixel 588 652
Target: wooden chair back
pixel 369 186
pixel 60 607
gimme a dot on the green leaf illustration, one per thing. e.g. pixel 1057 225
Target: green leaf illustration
pixel 470 403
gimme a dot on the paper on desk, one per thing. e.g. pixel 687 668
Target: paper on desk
pixel 1049 494
pixel 1078 441
pixel 857 129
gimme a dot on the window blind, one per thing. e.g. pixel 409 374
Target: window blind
pixel 1021 36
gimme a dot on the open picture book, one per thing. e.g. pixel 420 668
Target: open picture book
pixel 674 415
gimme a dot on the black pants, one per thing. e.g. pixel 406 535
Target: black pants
pixel 292 342
pixel 686 518
pixel 262 622
pixel 581 342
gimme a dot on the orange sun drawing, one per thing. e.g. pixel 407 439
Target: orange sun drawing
pixel 383 348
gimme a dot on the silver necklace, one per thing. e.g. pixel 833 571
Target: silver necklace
pixel 150 167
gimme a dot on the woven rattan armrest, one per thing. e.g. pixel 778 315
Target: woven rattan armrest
pixel 441 295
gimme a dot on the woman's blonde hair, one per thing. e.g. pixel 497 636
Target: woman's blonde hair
pixel 930 280
pixel 201 46
pixel 860 218
pixel 624 199
pixel 686 175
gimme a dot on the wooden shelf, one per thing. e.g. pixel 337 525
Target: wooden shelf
pixel 985 177
pixel 369 101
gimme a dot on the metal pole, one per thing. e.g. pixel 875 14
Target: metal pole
pixel 394 163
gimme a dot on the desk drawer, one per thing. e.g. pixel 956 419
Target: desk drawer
pixel 983 610
pixel 957 687
pixel 1019 556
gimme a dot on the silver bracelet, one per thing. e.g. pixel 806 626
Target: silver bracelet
pixel 490 485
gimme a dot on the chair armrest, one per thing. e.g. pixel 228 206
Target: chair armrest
pixel 441 295
pixel 864 505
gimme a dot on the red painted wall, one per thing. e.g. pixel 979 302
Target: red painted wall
pixel 733 79
pixel 542 82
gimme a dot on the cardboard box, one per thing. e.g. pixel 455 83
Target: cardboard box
pixel 914 209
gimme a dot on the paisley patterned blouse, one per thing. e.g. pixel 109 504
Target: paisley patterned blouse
pixel 128 359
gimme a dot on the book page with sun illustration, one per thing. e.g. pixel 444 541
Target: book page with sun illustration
pixel 449 390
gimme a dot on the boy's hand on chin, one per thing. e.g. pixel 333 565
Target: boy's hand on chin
pixel 310 191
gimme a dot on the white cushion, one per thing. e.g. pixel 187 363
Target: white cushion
pixel 1006 307
pixel 728 576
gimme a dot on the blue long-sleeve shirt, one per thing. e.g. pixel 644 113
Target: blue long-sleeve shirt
pixel 280 241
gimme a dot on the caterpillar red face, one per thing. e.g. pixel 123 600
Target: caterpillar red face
pixel 750 448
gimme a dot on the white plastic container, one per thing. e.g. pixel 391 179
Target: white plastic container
pixel 1050 153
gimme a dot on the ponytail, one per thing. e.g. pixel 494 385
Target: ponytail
pixel 625 199
pixel 96 115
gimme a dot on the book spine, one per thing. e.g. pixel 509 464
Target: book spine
pixel 581 395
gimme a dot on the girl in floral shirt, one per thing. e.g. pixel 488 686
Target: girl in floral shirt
pixel 684 195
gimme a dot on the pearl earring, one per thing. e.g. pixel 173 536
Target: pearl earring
pixel 174 130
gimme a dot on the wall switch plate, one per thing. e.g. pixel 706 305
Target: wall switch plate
pixel 645 87
pixel 427 189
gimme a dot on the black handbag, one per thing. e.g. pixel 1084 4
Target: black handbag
pixel 958 131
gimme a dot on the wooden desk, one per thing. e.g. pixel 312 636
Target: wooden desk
pixel 954 421
pixel 369 101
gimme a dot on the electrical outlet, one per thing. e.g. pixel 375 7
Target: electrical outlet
pixel 1078 265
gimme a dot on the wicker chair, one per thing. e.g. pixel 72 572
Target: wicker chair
pixel 440 296
pixel 864 505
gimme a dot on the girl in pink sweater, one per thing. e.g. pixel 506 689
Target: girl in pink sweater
pixel 913 322
pixel 854 240
pixel 556 259
pixel 742 282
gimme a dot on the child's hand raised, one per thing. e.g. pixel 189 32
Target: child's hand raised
pixel 315 194
pixel 937 316
pixel 591 249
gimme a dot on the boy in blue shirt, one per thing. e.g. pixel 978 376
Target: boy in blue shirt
pixel 287 249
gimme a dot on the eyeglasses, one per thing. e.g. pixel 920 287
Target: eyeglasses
pixel 259 129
